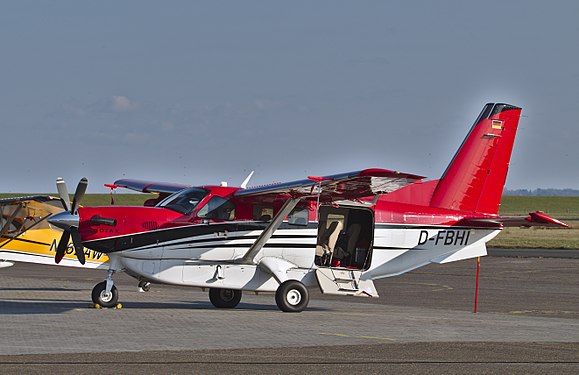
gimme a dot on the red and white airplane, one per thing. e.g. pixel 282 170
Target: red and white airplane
pixel 337 232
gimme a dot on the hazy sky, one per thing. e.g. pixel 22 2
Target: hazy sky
pixel 202 92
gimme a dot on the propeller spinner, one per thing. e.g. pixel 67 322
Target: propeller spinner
pixel 68 220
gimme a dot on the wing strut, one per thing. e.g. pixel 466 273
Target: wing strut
pixel 288 206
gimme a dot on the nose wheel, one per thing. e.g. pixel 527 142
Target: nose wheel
pixel 101 297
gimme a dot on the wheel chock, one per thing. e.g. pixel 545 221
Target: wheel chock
pixel 118 306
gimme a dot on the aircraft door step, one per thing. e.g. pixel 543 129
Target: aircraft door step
pixel 341 281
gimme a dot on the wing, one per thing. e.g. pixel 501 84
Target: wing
pixel 344 186
pixel 37 198
pixel 150 186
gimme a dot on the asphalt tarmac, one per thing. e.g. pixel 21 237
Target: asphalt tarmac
pixel 527 322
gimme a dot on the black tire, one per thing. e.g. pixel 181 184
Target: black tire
pixel 292 296
pixel 100 297
pixel 145 286
pixel 224 298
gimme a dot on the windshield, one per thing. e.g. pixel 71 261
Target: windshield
pixel 184 201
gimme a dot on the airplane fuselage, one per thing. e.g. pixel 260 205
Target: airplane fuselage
pixel 210 255
pixel 396 250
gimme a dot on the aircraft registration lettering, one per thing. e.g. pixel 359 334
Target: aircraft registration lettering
pixel 445 237
pixel 88 253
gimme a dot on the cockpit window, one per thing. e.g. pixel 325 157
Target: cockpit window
pixel 218 208
pixel 184 201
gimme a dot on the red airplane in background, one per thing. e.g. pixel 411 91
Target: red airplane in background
pixel 337 232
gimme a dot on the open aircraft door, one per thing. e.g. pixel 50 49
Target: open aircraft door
pixel 343 250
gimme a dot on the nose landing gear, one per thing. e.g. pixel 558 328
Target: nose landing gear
pixel 105 293
pixel 104 298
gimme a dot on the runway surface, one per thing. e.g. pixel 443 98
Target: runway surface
pixel 528 322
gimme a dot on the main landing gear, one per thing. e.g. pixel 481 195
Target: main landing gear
pixel 224 298
pixel 292 296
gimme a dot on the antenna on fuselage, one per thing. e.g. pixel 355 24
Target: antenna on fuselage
pixel 246 181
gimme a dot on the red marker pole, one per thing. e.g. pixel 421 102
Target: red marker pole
pixel 476 285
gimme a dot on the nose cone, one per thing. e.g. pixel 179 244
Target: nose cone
pixel 64 220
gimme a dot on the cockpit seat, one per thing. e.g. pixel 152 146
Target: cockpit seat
pixel 348 244
pixel 327 240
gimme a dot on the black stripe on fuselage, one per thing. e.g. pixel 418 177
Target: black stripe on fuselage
pixel 240 246
pixel 157 237
pixel 229 238
pixel 433 227
pixel 23 240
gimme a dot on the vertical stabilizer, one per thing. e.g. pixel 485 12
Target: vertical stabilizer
pixel 475 178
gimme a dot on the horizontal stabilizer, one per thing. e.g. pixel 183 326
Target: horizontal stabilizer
pixel 534 219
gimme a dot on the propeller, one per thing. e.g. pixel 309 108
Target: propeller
pixel 68 220
pixel 78 248
pixel 62 245
pixel 78 195
pixel 63 193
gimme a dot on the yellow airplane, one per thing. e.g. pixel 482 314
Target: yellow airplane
pixel 26 235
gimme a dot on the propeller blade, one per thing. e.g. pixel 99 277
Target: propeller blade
pixel 79 194
pixel 78 248
pixel 63 193
pixel 62 245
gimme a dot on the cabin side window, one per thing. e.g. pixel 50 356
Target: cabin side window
pixel 218 208
pixel 262 213
pixel 299 216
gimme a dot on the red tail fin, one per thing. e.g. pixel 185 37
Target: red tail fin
pixel 475 178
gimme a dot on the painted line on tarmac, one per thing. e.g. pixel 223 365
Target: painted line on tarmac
pixel 534 253
pixel 357 337
pixel 542 312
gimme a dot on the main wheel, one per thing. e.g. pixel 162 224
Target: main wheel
pixel 292 296
pixel 102 298
pixel 224 298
